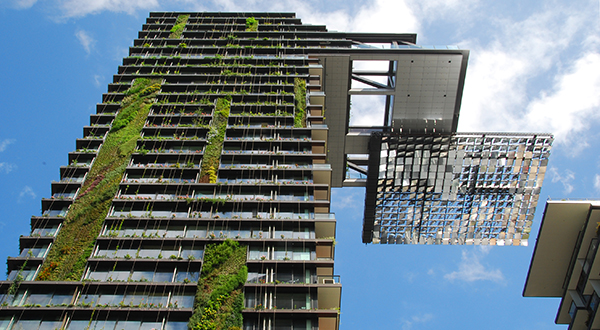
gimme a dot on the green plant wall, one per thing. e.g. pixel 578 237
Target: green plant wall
pixel 75 241
pixel 300 99
pixel 215 138
pixel 177 29
pixel 220 298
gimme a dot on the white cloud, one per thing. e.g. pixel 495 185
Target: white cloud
pixel 470 268
pixel 27 192
pixel 98 80
pixel 24 4
pixel 597 181
pixel 501 75
pixel 7 168
pixel 573 104
pixel 85 40
pixel 423 318
pixel 346 198
pixel 78 8
pixel 566 179
pixel 4 143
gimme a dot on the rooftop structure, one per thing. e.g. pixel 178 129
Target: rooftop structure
pixel 565 262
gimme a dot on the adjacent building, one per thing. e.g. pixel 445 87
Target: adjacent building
pixel 564 263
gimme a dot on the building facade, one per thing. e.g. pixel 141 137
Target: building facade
pixel 565 262
pixel 205 135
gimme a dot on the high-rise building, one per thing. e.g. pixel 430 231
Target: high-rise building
pixel 564 262
pixel 200 191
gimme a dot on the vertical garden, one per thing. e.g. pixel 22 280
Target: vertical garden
pixel 67 258
pixel 220 296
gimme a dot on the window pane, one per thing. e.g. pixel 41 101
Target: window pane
pixel 50 325
pixel 128 325
pixel 26 325
pixel 176 326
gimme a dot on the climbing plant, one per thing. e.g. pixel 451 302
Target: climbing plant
pixel 75 241
pixel 220 298
pixel 300 102
pixel 177 29
pixel 216 135
pixel 251 24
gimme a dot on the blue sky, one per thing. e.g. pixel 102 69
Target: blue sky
pixel 534 66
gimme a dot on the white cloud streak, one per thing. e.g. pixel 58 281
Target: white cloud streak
pixel 416 319
pixel 572 105
pixel 470 269
pixel 597 182
pixel 565 179
pixel 79 8
pixel 501 76
pixel 5 143
pixel 24 4
pixel 345 198
pixel 7 168
pixel 85 40
pixel 27 192
pixel 98 80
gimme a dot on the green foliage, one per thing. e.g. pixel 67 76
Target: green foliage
pixel 251 24
pixel 14 286
pixel 220 300
pixel 300 99
pixel 216 135
pixel 75 241
pixel 177 29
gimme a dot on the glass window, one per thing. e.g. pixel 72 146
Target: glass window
pixel 39 299
pixel 151 325
pixel 255 277
pixel 187 276
pixel 50 325
pixel 60 299
pixel 171 325
pixel 88 299
pixel 79 324
pixel 45 231
pixel 4 322
pixel 149 253
pixel 27 325
pixel 102 325
pixel 174 231
pixel 192 254
pixel 196 232
pixel 159 300
pixel 109 299
pixel 128 325
pixel 34 252
pixel 144 276
pixel 257 254
pixel 182 301
pixel 135 299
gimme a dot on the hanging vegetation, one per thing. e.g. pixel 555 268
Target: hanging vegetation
pixel 177 29
pixel 216 135
pixel 75 241
pixel 220 298
pixel 300 102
